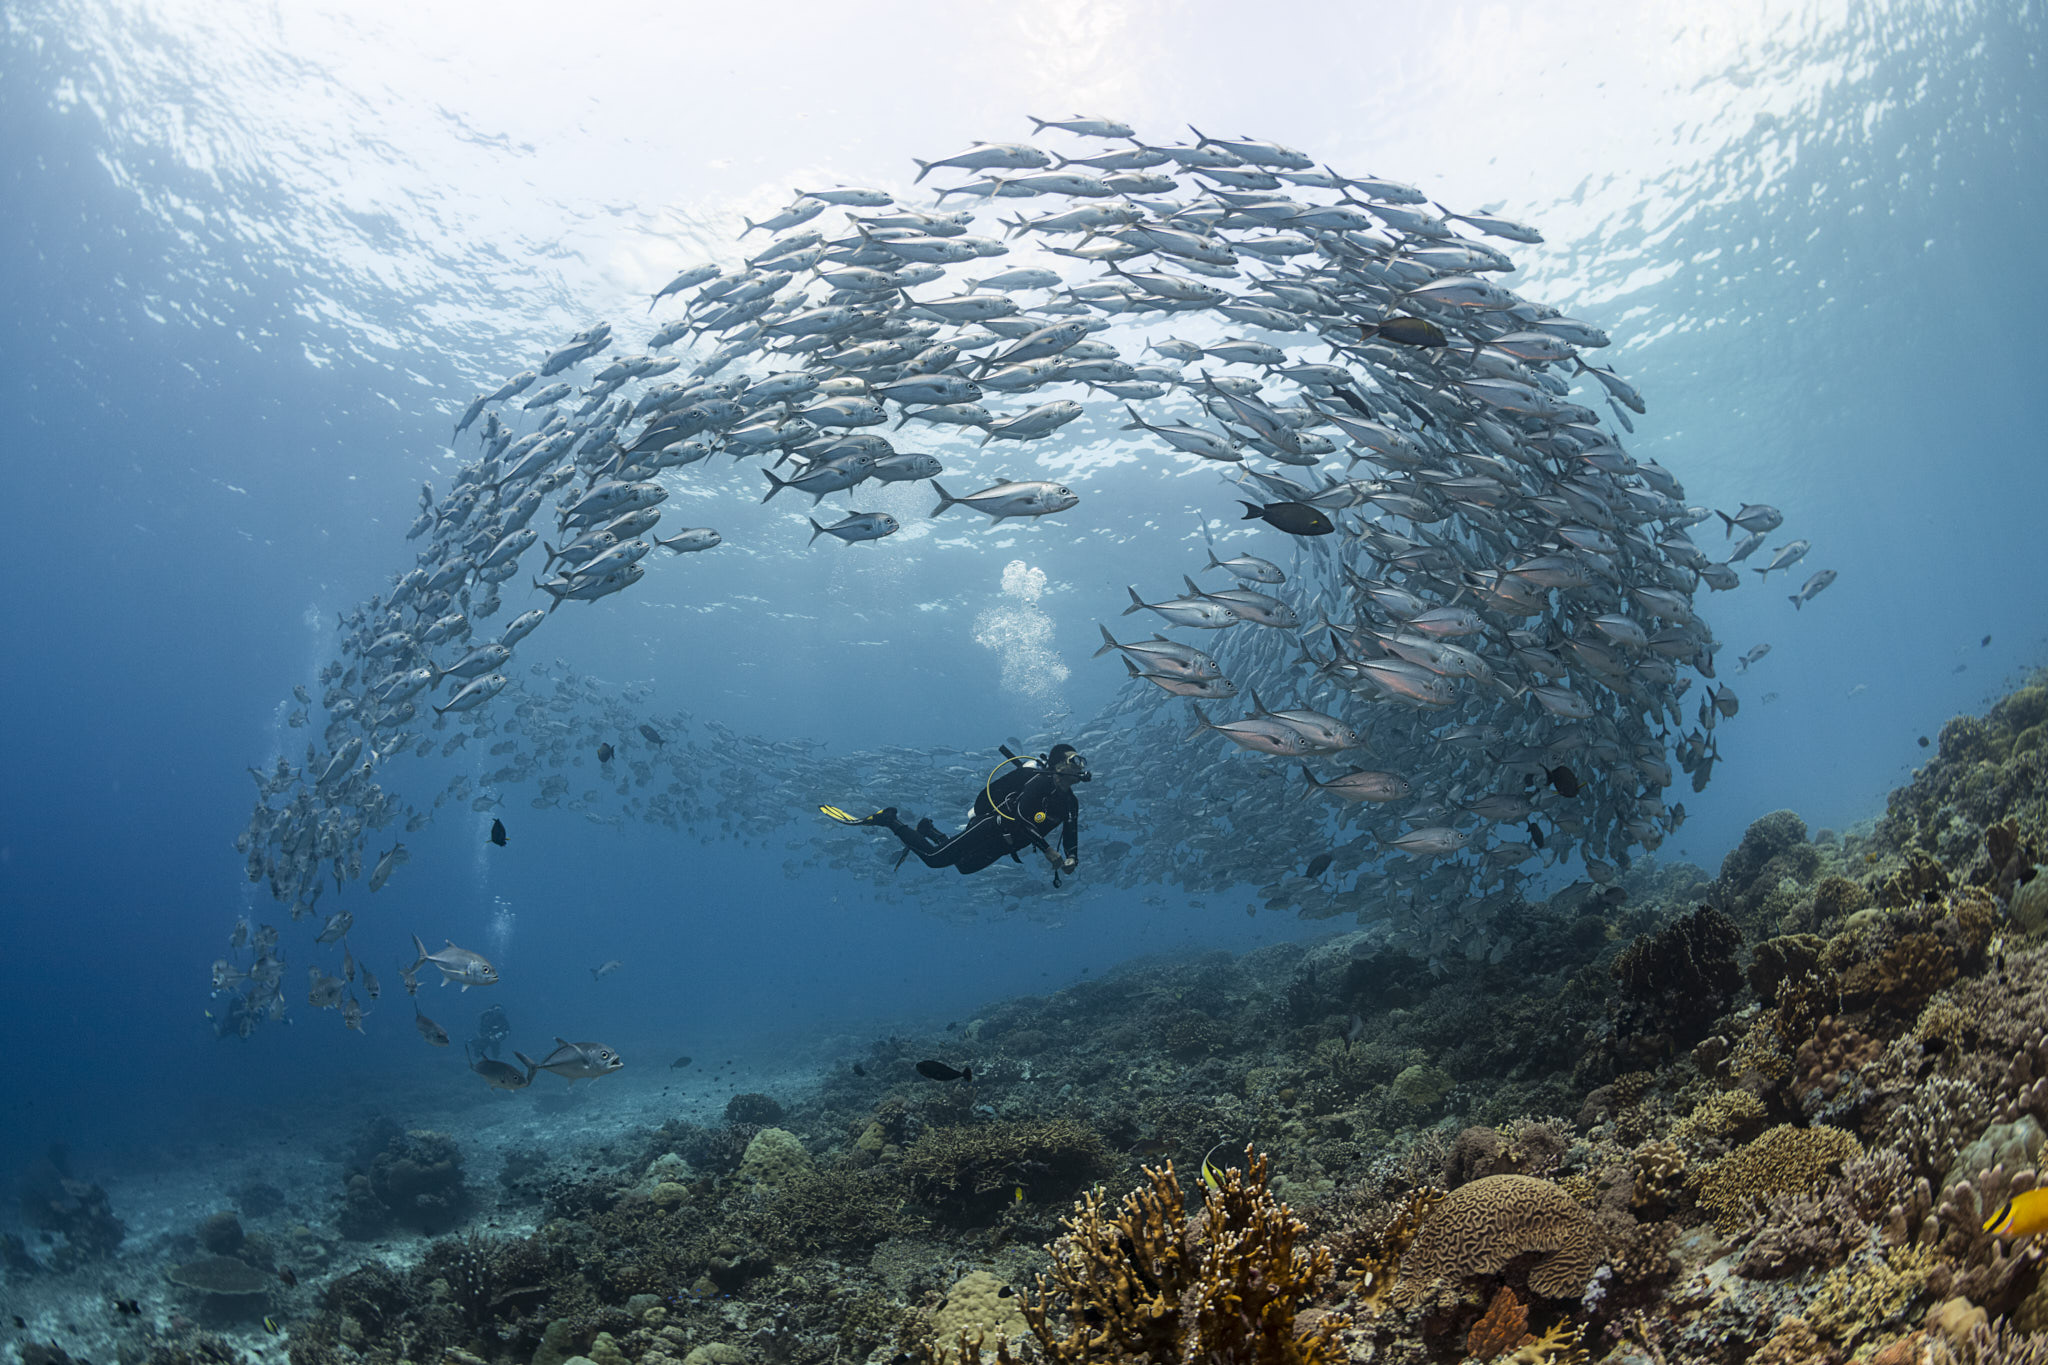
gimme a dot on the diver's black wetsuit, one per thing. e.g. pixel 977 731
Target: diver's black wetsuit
pixel 1029 803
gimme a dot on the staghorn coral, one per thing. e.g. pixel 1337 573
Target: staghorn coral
pixel 1783 1160
pixel 1144 1282
pixel 1482 1226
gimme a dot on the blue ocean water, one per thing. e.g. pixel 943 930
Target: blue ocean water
pixel 256 259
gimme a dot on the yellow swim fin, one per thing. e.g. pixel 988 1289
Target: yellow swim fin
pixel 843 817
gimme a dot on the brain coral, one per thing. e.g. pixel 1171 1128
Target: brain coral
pixel 1480 1227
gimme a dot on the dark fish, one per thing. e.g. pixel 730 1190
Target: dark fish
pixel 1985 641
pixel 1535 834
pixel 1354 402
pixel 1406 331
pixel 289 1276
pixel 604 753
pixel 1318 865
pixel 859 1070
pixel 498 833
pixel 128 1306
pixel 1564 779
pixel 652 735
pixel 1923 741
pixel 678 1064
pixel 21 1322
pixel 939 1071
pixel 1151 1147
pixel 1295 518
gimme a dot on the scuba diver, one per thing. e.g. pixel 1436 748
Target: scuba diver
pixel 1014 810
pixel 492 1029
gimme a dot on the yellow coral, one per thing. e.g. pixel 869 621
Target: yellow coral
pixel 1785 1160
pixel 1855 1299
pixel 1143 1282
pixel 1558 1346
pixel 1717 1116
pixel 977 1305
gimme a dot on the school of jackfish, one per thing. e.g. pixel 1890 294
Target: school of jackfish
pixel 1467 656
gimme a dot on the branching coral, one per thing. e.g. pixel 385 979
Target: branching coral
pixel 1719 1116
pixel 1378 1267
pixel 1144 1282
pixel 1873 1293
pixel 1482 1226
pixel 1784 1160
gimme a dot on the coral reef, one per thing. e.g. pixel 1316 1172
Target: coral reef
pixel 1760 1116
pixel 53 1200
pixel 415 1181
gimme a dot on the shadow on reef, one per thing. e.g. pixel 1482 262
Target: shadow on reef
pixel 1759 1116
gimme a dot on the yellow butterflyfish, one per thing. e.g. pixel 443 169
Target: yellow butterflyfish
pixel 2024 1213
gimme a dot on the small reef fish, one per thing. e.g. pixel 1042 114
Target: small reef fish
pixel 939 1071
pixel 459 965
pixel 679 1063
pixel 1295 518
pixel 498 832
pixel 600 973
pixel 2022 1215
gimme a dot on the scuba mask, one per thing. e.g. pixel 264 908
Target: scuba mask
pixel 1067 764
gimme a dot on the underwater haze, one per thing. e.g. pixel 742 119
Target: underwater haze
pixel 259 259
